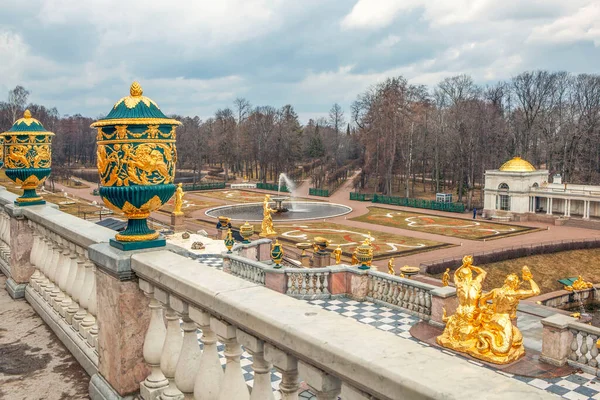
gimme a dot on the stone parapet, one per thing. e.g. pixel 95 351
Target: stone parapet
pixel 556 339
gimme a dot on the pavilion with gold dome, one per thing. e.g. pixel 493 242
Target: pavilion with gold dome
pixel 519 191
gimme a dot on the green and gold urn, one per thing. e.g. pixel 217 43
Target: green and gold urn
pixel 27 157
pixel 136 164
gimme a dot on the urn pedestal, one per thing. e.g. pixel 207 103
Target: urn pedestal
pixel 136 164
pixel 27 157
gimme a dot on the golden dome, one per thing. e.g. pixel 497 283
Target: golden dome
pixel 517 164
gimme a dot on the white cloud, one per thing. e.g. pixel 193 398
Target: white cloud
pixel 376 13
pixel 581 25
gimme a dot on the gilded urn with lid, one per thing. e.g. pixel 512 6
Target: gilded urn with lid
pixel 27 157
pixel 136 164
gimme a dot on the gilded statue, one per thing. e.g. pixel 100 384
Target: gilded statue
pixel 178 200
pixel 338 254
pixel 446 277
pixel 391 266
pixel 267 223
pixel 354 259
pixel 482 325
pixel 579 284
pixel 460 332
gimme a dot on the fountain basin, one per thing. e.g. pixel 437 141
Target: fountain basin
pixel 296 211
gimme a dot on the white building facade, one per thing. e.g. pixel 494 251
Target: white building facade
pixel 517 189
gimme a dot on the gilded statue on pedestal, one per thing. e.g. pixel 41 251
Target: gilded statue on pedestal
pixel 391 266
pixel 267 223
pixel 481 329
pixel 354 259
pixel 338 254
pixel 178 200
pixel 446 277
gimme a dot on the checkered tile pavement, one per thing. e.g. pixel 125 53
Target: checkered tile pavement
pixel 210 260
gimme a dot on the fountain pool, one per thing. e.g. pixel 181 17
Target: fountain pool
pixel 296 211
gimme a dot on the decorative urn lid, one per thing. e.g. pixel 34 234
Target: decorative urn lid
pixel 135 109
pixel 27 125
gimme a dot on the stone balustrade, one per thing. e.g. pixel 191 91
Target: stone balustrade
pixel 333 355
pixel 253 271
pixel 408 294
pixel 4 242
pixel 308 283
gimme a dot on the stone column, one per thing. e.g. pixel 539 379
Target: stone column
pixel 548 212
pixel 21 243
pixel 322 259
pixel 556 339
pixel 123 317
pixel 358 284
pixel 275 279
pixel 442 298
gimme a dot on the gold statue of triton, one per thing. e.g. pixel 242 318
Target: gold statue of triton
pixel 391 266
pixel 579 284
pixel 338 254
pixel 267 223
pixel 178 200
pixel 486 331
pixel 446 277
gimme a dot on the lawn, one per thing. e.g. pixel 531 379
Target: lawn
pixel 189 205
pixel 241 196
pixel 547 269
pixel 384 244
pixel 447 226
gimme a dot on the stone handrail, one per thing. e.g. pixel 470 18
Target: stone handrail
pixel 334 355
pixel 405 293
pixel 253 271
pixel 308 283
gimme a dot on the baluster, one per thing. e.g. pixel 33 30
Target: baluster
pixel 583 349
pixel 428 303
pixel 171 347
pixel 234 385
pixel 64 298
pixel 57 274
pixel 325 386
pixel 302 278
pixel 43 264
pixel 76 311
pixel 93 333
pixel 83 315
pixel 69 303
pixel 406 297
pixel 326 283
pixel 189 356
pixel 290 288
pixel 51 270
pixel 210 373
pixel 287 365
pixel 318 287
pixel 412 299
pixel 156 382
pixel 593 362
pixel 574 346
pixel 262 389
pixel 33 255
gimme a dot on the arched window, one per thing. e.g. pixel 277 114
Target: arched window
pixel 535 185
pixel 503 186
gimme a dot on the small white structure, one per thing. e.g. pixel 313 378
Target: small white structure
pixel 517 188
pixel 443 197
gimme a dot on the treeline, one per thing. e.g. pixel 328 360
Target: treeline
pixel 400 135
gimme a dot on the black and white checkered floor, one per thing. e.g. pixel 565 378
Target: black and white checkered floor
pixel 579 386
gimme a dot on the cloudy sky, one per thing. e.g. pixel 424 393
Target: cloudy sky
pixel 196 56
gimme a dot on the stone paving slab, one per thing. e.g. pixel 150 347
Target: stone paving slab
pixel 34 364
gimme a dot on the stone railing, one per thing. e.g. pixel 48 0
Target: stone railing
pixel 253 271
pixel 243 185
pixel 302 342
pixel 408 294
pixel 5 242
pixel 308 283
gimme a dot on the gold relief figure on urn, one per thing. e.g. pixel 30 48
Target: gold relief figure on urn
pixel 27 157
pixel 267 223
pixel 136 163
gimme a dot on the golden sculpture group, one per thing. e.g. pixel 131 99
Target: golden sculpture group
pixel 481 329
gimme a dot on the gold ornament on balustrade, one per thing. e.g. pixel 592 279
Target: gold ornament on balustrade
pixel 486 331
pixel 178 200
pixel 391 270
pixel 446 277
pixel 579 284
